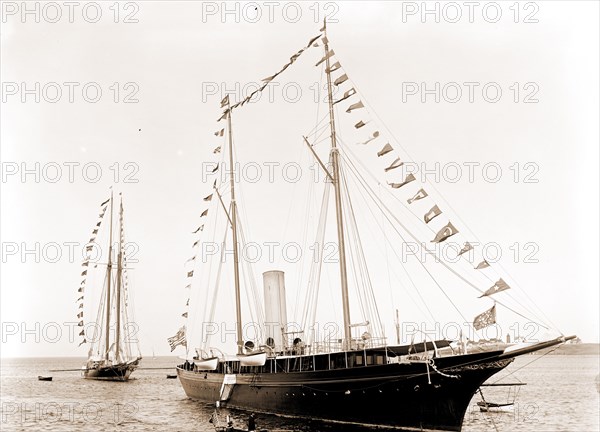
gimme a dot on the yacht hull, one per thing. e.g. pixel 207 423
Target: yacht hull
pixel 117 372
pixel 409 396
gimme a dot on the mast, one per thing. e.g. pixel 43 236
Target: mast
pixel 338 199
pixel 236 268
pixel 119 274
pixel 109 272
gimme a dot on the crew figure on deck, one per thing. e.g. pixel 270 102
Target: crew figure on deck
pixel 251 423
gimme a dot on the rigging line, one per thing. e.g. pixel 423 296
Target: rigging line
pixel 402 237
pixel 399 258
pixel 443 263
pixel 314 282
pixel 527 364
pixel 215 292
pixel 371 111
pixel 387 241
pixel 370 297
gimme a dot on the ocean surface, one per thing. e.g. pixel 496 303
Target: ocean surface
pixel 561 395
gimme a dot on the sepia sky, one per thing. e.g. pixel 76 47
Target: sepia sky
pixel 162 69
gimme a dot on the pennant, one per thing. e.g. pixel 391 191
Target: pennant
pixel 324 40
pixel 191 259
pixel 105 202
pixel 483 264
pixel 80 324
pixel 195 243
pixel 354 106
pixel 448 231
pixel 397 163
pixel 418 196
pixel 208 198
pixel 385 150
pixel 79 299
pixel 82 333
pixel 80 289
pixel 325 57
pixel 359 124
pixel 498 287
pixel 99 223
pixel 347 94
pixel 432 214
pixel 215 169
pixel 217 150
pixel 83 273
pixel 178 339
pixel 185 314
pixel 466 248
pixel 80 315
pixel 200 228
pixel 85 263
pixel 188 286
pixel 409 178
pixel 340 80
pixel 310 42
pixel 375 135
pixel 224 116
pixel 220 133
pixel 95 231
pixel 225 101
pixel 204 213
pixel 485 319
pixel 80 306
pixel 295 56
pixel 190 273
pixel 187 303
pixel 334 67
pixel 82 342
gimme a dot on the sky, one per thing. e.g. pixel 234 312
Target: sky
pixel 128 97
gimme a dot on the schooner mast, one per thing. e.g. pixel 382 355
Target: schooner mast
pixel 236 269
pixel 109 276
pixel 338 198
pixel 119 274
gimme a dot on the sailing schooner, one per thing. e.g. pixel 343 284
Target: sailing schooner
pixel 355 379
pixel 110 357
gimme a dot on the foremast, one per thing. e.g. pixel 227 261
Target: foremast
pixel 336 180
pixel 233 218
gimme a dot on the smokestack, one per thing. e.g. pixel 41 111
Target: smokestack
pixel 275 308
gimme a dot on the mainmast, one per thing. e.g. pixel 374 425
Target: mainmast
pixel 109 273
pixel 338 199
pixel 119 274
pixel 236 269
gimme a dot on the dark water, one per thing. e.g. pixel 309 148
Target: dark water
pixel 561 395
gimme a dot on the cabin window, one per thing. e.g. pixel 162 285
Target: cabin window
pixel 369 360
pixel 379 359
pixel 359 360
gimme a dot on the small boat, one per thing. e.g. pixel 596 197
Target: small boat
pixel 44 378
pixel 171 376
pixel 508 406
pixel 495 407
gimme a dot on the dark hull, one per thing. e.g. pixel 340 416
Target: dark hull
pixel 401 395
pixel 119 372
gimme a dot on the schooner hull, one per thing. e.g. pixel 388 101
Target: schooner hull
pixel 120 372
pixel 401 395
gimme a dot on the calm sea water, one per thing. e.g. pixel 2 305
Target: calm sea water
pixel 561 395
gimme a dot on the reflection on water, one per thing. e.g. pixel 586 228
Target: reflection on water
pixel 561 395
